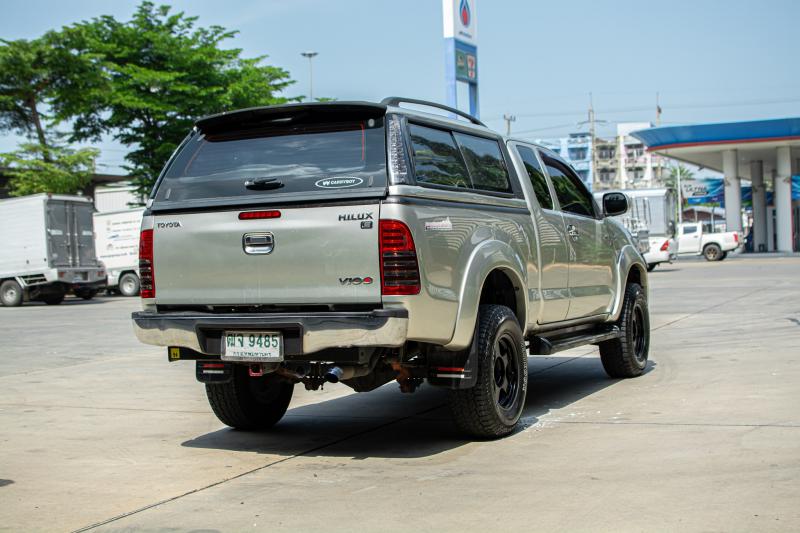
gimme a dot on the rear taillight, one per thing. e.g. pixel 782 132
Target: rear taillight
pixel 399 268
pixel 736 238
pixel 665 246
pixel 146 273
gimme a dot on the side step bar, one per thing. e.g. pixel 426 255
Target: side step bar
pixel 540 345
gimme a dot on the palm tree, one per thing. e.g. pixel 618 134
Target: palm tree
pixel 671 181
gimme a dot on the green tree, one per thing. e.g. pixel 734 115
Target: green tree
pixel 159 74
pixel 36 168
pixel 38 81
pixel 671 181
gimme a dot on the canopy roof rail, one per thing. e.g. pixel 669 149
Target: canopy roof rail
pixel 397 100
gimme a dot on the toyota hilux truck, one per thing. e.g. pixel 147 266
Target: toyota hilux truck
pixel 361 243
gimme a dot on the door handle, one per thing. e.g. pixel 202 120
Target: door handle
pixel 573 232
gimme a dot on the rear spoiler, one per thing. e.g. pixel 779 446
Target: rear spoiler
pixel 255 117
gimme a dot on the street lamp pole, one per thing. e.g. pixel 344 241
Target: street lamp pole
pixel 310 55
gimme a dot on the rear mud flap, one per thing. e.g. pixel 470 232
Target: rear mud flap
pixel 454 370
pixel 213 371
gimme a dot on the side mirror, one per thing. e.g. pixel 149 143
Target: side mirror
pixel 614 204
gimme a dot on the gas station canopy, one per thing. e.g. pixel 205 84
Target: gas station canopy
pixel 754 150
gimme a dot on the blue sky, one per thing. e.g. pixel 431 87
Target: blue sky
pixel 709 60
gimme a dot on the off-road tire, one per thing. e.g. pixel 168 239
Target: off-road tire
pixel 10 293
pixel 485 411
pixel 250 403
pixel 652 267
pixel 626 356
pixel 129 284
pixel 712 252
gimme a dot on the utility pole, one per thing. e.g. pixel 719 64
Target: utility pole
pixel 509 119
pixel 310 55
pixel 593 141
pixel 659 170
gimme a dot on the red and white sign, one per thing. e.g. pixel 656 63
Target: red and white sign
pixel 460 20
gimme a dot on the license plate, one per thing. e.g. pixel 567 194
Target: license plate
pixel 252 346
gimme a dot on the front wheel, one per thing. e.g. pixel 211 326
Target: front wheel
pixel 250 403
pixel 10 293
pixel 626 356
pixel 494 405
pixel 712 252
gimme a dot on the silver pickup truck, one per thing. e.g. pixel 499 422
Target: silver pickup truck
pixel 362 243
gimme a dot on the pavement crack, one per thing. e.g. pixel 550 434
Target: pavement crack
pixel 709 308
pixel 675 424
pixel 257 469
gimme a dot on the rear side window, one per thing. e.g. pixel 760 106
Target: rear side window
pixel 316 159
pixel 571 193
pixel 485 163
pixel 689 229
pixel 457 160
pixel 536 175
pixel 437 159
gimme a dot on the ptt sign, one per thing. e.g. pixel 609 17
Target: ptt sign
pixel 460 20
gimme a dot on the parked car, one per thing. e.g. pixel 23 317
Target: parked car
pixel 116 235
pixel 361 243
pixel 47 249
pixel 694 239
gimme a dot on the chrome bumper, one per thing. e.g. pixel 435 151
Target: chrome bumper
pixel 303 333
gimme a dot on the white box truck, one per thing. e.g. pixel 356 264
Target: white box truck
pixel 116 237
pixel 47 249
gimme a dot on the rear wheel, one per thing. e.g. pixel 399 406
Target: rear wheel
pixel 129 284
pixel 10 293
pixel 626 356
pixel 652 267
pixel 723 256
pixel 250 403
pixel 712 252
pixel 494 405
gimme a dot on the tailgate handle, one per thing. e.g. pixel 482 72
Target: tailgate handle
pixel 258 243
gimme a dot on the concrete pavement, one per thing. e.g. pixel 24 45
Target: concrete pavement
pixel 97 430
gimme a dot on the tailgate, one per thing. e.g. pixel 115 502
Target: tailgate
pixel 308 255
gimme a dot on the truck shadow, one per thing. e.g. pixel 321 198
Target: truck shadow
pixel 386 423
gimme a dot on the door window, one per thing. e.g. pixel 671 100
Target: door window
pixel 535 174
pixel 571 193
pixel 689 229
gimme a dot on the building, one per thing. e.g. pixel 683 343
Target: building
pixel 767 152
pixel 621 162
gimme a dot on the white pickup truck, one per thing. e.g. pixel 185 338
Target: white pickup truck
pixel 693 239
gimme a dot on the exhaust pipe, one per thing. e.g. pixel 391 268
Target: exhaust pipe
pixel 335 374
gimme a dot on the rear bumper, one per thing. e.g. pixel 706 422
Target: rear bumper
pixel 303 333
pixel 656 257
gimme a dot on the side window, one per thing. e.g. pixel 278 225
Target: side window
pixel 437 159
pixel 571 193
pixel 536 176
pixel 689 229
pixel 485 163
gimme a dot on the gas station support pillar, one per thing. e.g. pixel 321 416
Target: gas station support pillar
pixel 759 206
pixel 783 199
pixel 733 191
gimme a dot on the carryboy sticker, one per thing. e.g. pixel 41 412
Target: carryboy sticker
pixel 339 183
